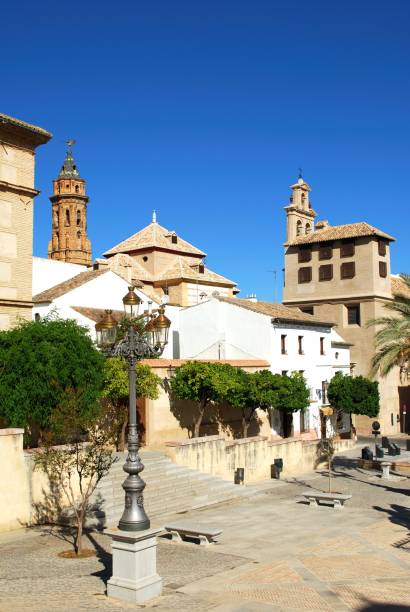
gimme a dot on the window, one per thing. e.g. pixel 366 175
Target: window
pixel 284 372
pixel 78 217
pixel 78 234
pixel 308 228
pixel 304 275
pixel 325 252
pixel 201 268
pixel 145 258
pixel 68 186
pixel 283 344
pixel 353 314
pixel 347 269
pixel 299 228
pixel 77 189
pixel 307 309
pixel 37 316
pixel 382 269
pixel 347 249
pixel 326 272
pixel 304 255
pixel 382 248
pixel 174 239
pixel 300 345
pixel 67 217
pixel 322 346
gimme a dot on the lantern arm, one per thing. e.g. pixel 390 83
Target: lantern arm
pixel 138 349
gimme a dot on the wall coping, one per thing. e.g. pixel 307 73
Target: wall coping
pixel 190 441
pixel 175 363
pixel 11 431
pixel 246 440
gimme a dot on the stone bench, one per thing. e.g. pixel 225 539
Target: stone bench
pixel 314 497
pixel 205 533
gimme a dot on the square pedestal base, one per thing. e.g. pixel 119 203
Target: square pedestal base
pixel 134 565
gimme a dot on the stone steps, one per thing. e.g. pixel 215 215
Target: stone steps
pixel 170 489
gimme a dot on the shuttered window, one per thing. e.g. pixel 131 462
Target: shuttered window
pixel 347 249
pixel 383 269
pixel 304 275
pixel 326 272
pixel 382 248
pixel 325 252
pixel 304 255
pixel 347 269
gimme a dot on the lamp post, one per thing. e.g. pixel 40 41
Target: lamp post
pixel 146 336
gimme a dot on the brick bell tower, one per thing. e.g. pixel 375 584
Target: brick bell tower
pixel 69 240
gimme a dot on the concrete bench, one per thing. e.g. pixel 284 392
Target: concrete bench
pixel 205 533
pixel 338 499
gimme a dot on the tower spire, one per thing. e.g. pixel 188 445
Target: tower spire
pixel 69 168
pixel 154 216
pixel 69 241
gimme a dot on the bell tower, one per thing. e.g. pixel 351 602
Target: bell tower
pixel 300 215
pixel 69 240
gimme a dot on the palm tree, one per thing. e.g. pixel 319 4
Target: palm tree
pixel 393 338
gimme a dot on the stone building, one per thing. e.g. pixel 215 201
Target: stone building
pixel 166 266
pixel 342 274
pixel 18 142
pixel 69 202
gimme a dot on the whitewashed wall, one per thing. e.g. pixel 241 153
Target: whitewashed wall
pixel 50 272
pixel 218 330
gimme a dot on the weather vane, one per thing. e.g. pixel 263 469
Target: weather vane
pixel 300 172
pixel 70 142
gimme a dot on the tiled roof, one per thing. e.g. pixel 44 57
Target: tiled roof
pixel 182 269
pixel 338 232
pixel 72 283
pixel 122 260
pixel 154 235
pixel 399 287
pixel 95 314
pixel 277 311
pixel 175 363
pixel 27 126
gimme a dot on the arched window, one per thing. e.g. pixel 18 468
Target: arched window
pixel 303 197
pixel 77 189
pixel 67 186
pixel 299 228
pixel 308 228
pixel 67 217
pixel 78 217
pixel 78 235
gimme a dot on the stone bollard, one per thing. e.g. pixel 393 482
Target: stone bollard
pixel 385 470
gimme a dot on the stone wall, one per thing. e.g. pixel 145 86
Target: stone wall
pixel 221 457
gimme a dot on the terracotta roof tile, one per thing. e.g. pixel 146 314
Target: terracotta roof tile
pixel 338 232
pixel 399 287
pixel 72 283
pixel 182 269
pixel 277 311
pixel 154 235
pixel 95 314
pixel 175 363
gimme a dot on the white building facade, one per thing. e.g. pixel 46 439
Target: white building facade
pixel 290 341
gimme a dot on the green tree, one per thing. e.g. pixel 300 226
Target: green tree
pixel 115 392
pixel 354 395
pixel 393 336
pixel 202 383
pixel 252 391
pixel 39 361
pixel 292 393
pixel 75 469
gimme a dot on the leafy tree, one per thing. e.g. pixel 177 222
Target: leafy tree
pixel 115 392
pixel 202 383
pixel 354 395
pixel 39 361
pixel 75 469
pixel 251 391
pixel 292 393
pixel 393 338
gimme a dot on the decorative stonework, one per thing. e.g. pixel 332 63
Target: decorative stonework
pixel 69 201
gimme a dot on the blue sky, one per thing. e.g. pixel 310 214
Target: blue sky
pixel 205 110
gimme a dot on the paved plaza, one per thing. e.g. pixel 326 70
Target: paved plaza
pixel 275 553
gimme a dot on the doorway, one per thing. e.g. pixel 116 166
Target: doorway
pixel 404 402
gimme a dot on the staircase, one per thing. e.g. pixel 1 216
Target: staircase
pixel 169 489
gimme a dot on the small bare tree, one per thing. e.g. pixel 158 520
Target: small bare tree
pixel 76 467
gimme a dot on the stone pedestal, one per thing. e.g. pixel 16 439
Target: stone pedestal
pixel 134 565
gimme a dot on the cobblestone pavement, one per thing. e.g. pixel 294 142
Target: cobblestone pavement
pixel 275 553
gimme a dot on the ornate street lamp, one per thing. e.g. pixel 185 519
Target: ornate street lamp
pixel 141 341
